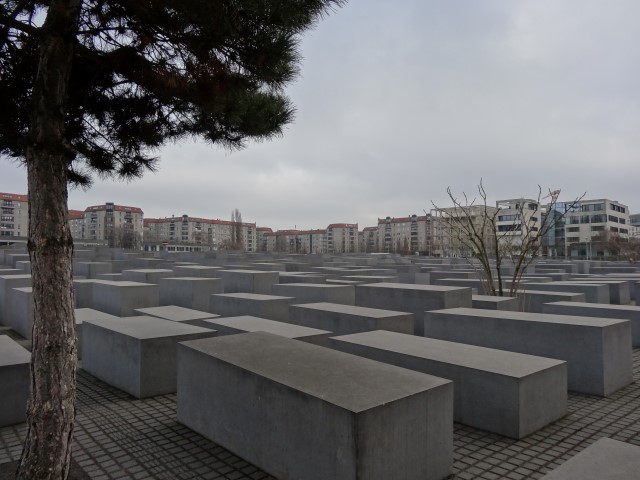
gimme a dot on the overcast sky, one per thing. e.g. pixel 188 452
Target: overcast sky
pixel 398 100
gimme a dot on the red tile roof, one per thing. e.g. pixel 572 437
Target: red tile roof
pixel 16 197
pixel 116 208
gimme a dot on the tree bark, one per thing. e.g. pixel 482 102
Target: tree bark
pixel 51 410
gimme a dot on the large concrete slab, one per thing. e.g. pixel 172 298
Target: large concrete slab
pixel 202 271
pixel 15 379
pixel 136 354
pixel 346 319
pixel 489 302
pixel 310 293
pixel 8 282
pixel 623 312
pixel 20 310
pixel 146 275
pixel 122 298
pixel 502 392
pixel 249 323
pixel 534 300
pixel 606 459
pixel 597 350
pixel 189 292
pixel 410 298
pixel 593 293
pixel 176 313
pixel 248 281
pixel 302 411
pixel 266 306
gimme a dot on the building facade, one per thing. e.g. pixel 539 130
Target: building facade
pixel 404 234
pixel 119 225
pixel 213 233
pixel 518 221
pixel 14 215
pixel 342 238
pixel 588 224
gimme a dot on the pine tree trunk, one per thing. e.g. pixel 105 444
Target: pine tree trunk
pixel 51 409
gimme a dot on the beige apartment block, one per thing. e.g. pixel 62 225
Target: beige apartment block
pixel 342 238
pixel 449 239
pixel 369 240
pixel 213 233
pixel 117 224
pixel 296 241
pixel 518 219
pixel 587 223
pixel 404 234
pixel 14 215
pixel 76 224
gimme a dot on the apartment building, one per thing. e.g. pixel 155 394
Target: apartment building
pixel 342 238
pixel 369 240
pixel 76 223
pixel 587 223
pixel 261 239
pixel 518 219
pixel 214 233
pixel 404 234
pixel 296 241
pixel 450 239
pixel 118 224
pixel 14 215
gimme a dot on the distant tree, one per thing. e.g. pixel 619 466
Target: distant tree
pixel 122 237
pixel 618 246
pixel 472 228
pixel 94 87
pixel 237 237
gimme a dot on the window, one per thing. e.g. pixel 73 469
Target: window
pixel 574 229
pixel 613 219
pixel 508 218
pixel 601 218
pixel 597 228
pixel 614 229
pixel 624 230
pixel 573 239
pixel 574 220
pixel 584 218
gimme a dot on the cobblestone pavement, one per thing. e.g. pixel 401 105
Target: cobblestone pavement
pixel 119 437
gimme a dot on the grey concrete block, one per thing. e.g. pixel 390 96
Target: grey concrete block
pixel 314 413
pixel 346 319
pixel 8 282
pixel 88 314
pixel 136 354
pixel 622 312
pixel 15 380
pixel 90 270
pixel 533 300
pixel 593 293
pixel 248 281
pixel 489 302
pixel 308 293
pixel 20 310
pixel 122 298
pixel 266 306
pixel 295 277
pixel 201 271
pixel 605 459
pixel 502 392
pixel 146 275
pixel 248 323
pixel 597 350
pixel 619 290
pixel 176 314
pixel 414 299
pixel 189 292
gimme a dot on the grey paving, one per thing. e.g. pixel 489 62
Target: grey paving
pixel 120 437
